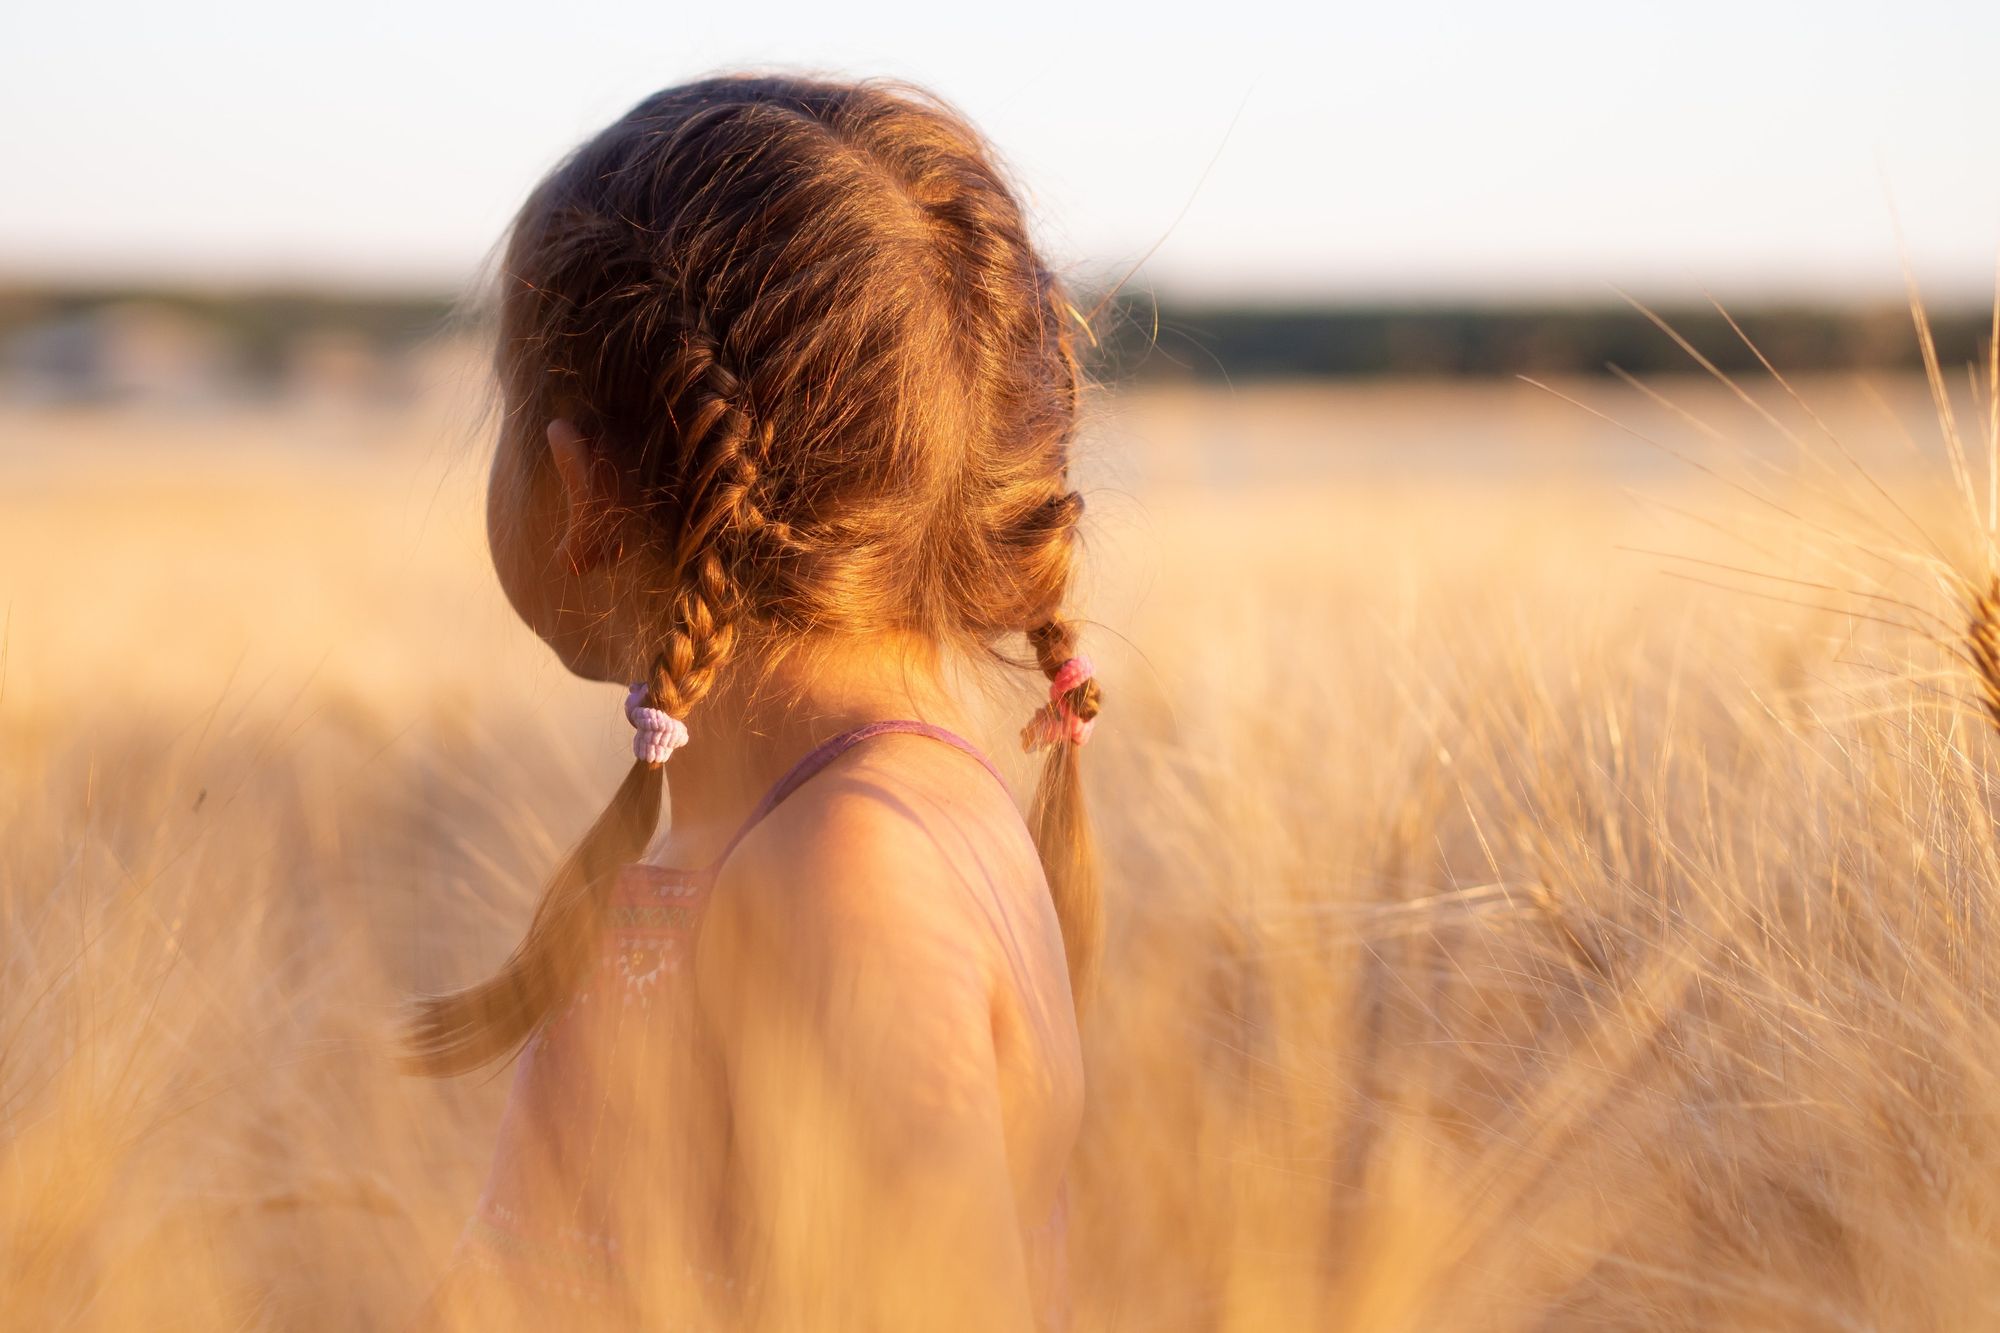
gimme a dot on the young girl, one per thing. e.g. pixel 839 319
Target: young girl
pixel 789 399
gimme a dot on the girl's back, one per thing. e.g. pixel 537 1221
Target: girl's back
pixel 881 919
pixel 902 886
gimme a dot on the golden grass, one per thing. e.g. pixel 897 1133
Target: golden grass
pixel 1503 935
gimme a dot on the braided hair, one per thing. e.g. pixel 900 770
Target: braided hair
pixel 805 324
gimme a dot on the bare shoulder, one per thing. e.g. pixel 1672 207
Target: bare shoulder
pixel 901 850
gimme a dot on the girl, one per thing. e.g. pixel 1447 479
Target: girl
pixel 789 399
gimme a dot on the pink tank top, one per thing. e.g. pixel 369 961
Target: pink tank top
pixel 554 1224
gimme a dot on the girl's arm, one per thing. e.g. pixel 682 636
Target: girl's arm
pixel 853 1004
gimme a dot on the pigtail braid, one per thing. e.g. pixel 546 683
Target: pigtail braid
pixel 1060 824
pixel 717 443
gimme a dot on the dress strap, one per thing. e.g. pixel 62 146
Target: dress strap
pixel 831 749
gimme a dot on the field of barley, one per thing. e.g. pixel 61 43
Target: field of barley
pixel 1552 872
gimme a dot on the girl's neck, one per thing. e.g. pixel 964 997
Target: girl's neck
pixel 749 732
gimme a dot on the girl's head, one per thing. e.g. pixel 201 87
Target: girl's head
pixel 789 343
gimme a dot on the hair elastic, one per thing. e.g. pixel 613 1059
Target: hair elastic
pixel 1058 721
pixel 657 734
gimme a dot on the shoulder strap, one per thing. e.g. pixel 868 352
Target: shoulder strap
pixel 831 749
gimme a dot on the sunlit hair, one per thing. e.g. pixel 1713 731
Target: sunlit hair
pixel 806 326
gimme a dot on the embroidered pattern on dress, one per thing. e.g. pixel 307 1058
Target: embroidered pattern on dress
pixel 651 924
pixel 641 963
pixel 652 916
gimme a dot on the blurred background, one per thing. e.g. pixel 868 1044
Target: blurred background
pixel 229 201
pixel 1485 945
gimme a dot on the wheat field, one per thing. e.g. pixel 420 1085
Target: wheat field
pixel 1551 878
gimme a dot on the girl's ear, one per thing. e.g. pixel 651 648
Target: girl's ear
pixel 587 503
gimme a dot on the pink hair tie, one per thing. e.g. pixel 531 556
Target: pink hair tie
pixel 657 734
pixel 1059 721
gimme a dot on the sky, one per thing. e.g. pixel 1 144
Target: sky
pixel 1240 150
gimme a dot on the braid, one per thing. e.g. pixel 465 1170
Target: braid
pixel 716 444
pixel 1060 823
pixel 1054 642
pixel 700 637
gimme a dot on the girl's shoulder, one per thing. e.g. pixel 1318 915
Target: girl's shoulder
pixel 861 935
pixel 901 848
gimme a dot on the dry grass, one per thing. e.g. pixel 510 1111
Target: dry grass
pixel 1504 935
